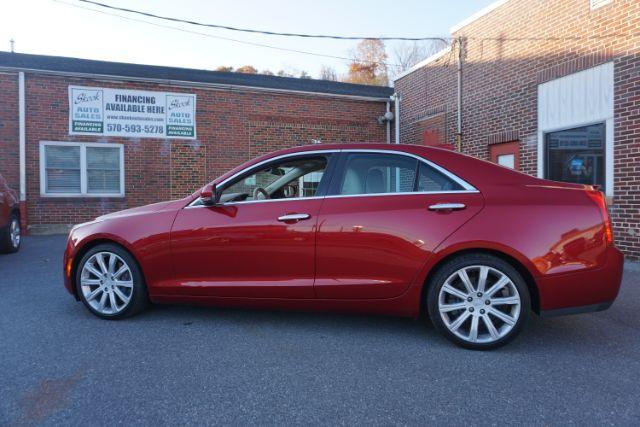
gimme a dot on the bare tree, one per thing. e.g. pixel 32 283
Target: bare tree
pixel 328 73
pixel 407 54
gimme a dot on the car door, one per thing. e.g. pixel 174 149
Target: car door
pixel 384 215
pixel 260 241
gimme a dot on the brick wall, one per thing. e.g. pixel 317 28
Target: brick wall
pixel 9 148
pixel 232 126
pixel 512 50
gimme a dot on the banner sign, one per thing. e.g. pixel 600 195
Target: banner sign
pixel 131 113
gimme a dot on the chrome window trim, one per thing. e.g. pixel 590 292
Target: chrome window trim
pixel 405 193
pixel 343 196
pixel 283 156
pixel 464 184
pixel 272 159
pixel 467 188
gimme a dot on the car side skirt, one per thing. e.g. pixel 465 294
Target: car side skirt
pixel 576 310
pixel 406 305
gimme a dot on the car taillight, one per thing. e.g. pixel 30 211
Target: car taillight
pixel 599 200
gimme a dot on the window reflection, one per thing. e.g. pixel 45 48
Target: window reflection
pixel 577 155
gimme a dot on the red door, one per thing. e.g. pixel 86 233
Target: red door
pixel 260 243
pixel 505 154
pixel 376 228
pixel 244 250
pixel 431 138
pixel 373 247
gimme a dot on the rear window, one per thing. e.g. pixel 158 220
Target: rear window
pixel 380 173
pixel 430 179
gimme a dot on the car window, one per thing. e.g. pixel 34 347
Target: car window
pixel 375 173
pixel 288 179
pixel 430 179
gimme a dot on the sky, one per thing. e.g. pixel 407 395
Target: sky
pixel 67 28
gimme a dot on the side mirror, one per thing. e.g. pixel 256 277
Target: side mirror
pixel 209 195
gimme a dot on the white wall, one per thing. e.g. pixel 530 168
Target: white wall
pixel 576 100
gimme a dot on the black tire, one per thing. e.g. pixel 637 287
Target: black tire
pixel 7 245
pixel 471 260
pixel 139 299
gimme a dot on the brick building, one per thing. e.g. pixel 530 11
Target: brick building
pixel 550 87
pixel 102 136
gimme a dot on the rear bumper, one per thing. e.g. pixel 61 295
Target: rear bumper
pixel 583 291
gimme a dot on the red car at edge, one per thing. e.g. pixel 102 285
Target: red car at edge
pixel 10 235
pixel 373 228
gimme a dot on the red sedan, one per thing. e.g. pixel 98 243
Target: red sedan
pixel 387 229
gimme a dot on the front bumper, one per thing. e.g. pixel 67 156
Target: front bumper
pixel 67 266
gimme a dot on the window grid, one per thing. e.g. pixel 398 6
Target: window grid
pixel 65 172
pixel 44 170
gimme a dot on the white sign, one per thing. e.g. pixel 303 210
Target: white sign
pixel 131 113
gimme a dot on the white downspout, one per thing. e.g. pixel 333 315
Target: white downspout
pixel 459 97
pixel 388 123
pixel 22 140
pixel 396 98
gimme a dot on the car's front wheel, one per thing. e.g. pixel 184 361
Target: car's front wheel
pixel 11 237
pixel 110 283
pixel 478 301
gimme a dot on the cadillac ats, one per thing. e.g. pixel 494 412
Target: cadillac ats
pixel 373 228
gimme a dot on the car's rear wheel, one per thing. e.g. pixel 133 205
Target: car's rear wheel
pixel 110 283
pixel 478 301
pixel 11 237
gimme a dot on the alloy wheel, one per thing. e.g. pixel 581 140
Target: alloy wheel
pixel 479 304
pixel 107 283
pixel 14 233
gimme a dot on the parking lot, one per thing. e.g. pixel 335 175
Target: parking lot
pixel 192 365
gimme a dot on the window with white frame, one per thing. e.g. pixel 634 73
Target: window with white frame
pixel 81 169
pixel 595 4
pixel 576 155
pixel 576 127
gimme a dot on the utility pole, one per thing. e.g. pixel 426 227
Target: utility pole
pixel 461 54
pixel 12 43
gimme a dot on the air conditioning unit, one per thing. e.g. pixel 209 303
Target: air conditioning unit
pixel 599 3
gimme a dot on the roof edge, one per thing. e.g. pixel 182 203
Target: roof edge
pixel 482 12
pixel 422 63
pixel 91 68
pixel 190 84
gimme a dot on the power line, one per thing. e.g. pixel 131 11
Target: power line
pixel 249 30
pixel 303 52
pixel 334 37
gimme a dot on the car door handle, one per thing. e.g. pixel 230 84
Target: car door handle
pixel 447 207
pixel 293 217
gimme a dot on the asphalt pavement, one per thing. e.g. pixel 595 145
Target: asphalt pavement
pixel 180 365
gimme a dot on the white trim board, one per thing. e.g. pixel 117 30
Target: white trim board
pixel 422 63
pixel 488 9
pixel 482 12
pixel 576 100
